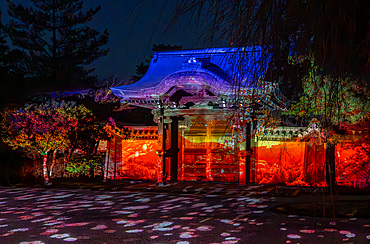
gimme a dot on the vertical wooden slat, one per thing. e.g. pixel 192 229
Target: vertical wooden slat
pixel 209 155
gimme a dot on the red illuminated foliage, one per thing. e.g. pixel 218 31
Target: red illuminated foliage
pixel 40 128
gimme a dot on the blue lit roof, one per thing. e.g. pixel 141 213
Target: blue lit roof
pixel 229 64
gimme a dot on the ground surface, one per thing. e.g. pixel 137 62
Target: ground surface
pixel 207 214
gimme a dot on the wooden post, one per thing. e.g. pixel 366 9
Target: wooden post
pixel 174 151
pixel 182 154
pixel 107 156
pixel 253 136
pixel 115 159
pixel 242 168
pixel 242 162
pixel 330 167
pixel 161 165
pixel 209 154
pixel 248 152
pixel 112 159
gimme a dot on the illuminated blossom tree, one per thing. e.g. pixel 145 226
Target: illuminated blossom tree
pixel 86 137
pixel 38 129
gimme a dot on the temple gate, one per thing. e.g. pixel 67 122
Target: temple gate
pixel 205 103
pixel 210 108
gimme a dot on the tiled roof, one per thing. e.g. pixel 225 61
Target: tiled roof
pixel 247 64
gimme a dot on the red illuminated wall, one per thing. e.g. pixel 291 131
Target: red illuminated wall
pixel 213 158
pixel 290 163
pixel 303 163
pixel 133 158
pixel 211 162
pixel 206 154
pixel 352 165
pixel 139 160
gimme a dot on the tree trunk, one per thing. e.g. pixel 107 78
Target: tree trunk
pixel 70 152
pixel 52 164
pixel 65 161
pixel 45 168
pixel 96 147
pixel 330 166
pixel 66 158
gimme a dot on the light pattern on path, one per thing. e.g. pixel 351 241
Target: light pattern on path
pixel 36 215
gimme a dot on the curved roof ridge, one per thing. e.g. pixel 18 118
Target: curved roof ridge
pixel 245 63
pixel 215 50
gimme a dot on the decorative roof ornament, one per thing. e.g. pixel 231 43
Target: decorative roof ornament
pixel 313 132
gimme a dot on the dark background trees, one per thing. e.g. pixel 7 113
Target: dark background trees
pixel 56 43
pixel 11 75
pixel 334 33
pixel 11 91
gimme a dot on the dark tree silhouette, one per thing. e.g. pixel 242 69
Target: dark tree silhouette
pixel 55 42
pixel 10 91
pixel 11 77
pixel 336 33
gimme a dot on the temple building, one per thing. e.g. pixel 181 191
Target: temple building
pixel 211 108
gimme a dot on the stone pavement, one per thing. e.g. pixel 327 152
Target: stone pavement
pixel 306 201
pixel 181 213
pixel 132 212
pixel 200 188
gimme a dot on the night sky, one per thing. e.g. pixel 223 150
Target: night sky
pixel 134 26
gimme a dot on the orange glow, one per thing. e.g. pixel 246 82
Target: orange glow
pixel 352 165
pixel 291 163
pixel 139 160
pixel 204 160
pixel 300 163
pixel 207 156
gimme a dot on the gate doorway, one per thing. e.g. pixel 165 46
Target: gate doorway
pixel 207 153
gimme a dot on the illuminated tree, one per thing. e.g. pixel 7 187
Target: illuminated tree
pixel 38 129
pixel 338 103
pixel 55 41
pixel 351 103
pixel 85 136
pixel 103 95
